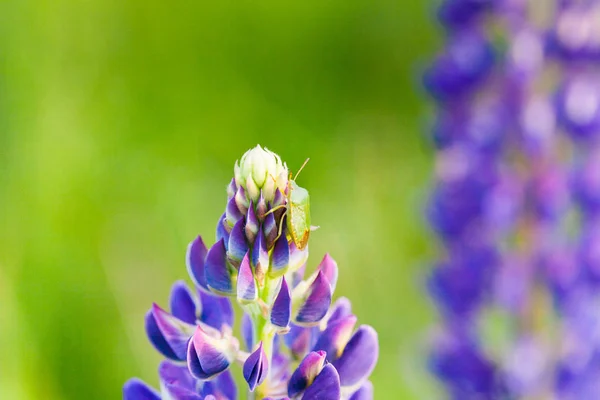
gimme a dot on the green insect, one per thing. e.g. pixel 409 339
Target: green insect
pixel 297 211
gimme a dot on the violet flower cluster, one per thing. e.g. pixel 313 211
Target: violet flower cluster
pixel 294 343
pixel 516 201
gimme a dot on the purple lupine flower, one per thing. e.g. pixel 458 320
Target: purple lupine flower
pixel 287 318
pixel 516 198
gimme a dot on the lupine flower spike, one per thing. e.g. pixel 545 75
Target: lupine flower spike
pixel 516 199
pixel 258 260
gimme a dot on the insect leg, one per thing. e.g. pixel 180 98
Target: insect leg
pixel 275 209
pixel 280 226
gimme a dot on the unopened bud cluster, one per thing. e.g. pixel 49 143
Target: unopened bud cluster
pixel 287 319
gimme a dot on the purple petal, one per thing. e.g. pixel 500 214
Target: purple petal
pixel 238 246
pixel 179 393
pixel 365 392
pixel 195 259
pixel 359 357
pixel 232 213
pixel 216 270
pixel 305 374
pixel 247 331
pixel 168 334
pixel 298 340
pixel 223 229
pixel 136 389
pixel 278 199
pixel 330 270
pixel 280 257
pixel 260 257
pixel 216 311
pixel 256 367
pixel 340 309
pixel 325 386
pixel 246 285
pixel 176 375
pixel 225 386
pixel 317 301
pixel 204 359
pixel 241 200
pixel 282 307
pixel 335 337
pixel 279 371
pixel 182 303
pixel 270 229
pixel 252 224
pixel 156 337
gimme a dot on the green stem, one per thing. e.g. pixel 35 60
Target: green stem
pixel 263 331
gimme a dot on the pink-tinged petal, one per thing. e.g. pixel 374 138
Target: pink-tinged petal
pixel 205 356
pixel 241 200
pixel 217 311
pixel 280 257
pixel 136 389
pixel 183 305
pixel 216 270
pixel 256 368
pixel 330 269
pixel 246 285
pixel 359 357
pixel 260 257
pixel 231 189
pixel 334 338
pixel 232 213
pixel 177 375
pixel 270 229
pixel 195 260
pixel 299 340
pixel 168 334
pixel 316 303
pixel 365 392
pixel 340 309
pixel 261 208
pixel 282 307
pixel 310 367
pixel 252 224
pixel 238 246
pixel 325 386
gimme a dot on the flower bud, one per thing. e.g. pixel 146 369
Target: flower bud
pixel 256 367
pixel 260 170
pixel 209 353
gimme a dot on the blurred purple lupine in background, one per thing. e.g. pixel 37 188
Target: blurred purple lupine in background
pixel 516 201
pixel 295 343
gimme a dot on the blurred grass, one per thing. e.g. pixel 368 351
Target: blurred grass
pixel 119 125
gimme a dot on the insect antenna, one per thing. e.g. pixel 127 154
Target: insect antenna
pixel 301 168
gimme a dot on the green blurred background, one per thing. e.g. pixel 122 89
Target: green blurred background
pixel 120 122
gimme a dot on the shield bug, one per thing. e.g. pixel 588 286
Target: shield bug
pixel 297 213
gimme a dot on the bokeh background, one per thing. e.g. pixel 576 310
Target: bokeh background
pixel 120 122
